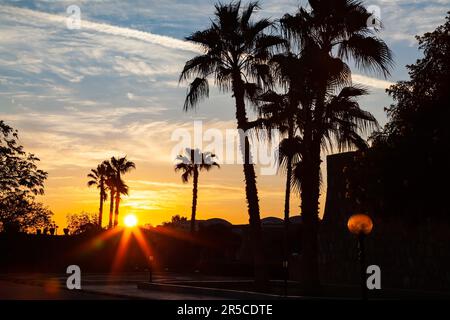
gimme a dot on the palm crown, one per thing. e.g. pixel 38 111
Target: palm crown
pixel 191 164
pixel 234 46
pixel 194 160
pixel 98 178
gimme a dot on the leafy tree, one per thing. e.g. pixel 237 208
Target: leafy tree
pixel 409 159
pixel 18 169
pixel 20 182
pixel 422 102
pixel 82 222
pixel 176 222
pixel 19 213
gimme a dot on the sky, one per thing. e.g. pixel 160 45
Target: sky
pixel 110 88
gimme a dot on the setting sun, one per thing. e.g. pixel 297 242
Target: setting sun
pixel 130 220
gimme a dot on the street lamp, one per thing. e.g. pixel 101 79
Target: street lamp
pixel 150 268
pixel 361 225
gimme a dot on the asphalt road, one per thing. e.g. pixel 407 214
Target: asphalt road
pixel 15 291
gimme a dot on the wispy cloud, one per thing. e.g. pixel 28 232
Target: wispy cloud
pixel 371 82
pixel 165 41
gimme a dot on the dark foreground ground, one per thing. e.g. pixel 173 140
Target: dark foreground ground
pixel 176 286
pixel 93 287
pixel 16 291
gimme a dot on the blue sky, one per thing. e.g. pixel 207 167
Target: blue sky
pixel 80 96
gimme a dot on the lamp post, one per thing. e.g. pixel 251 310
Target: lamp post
pixel 286 275
pixel 361 225
pixel 150 268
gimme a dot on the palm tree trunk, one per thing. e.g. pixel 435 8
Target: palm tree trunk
pixel 100 210
pixel 255 223
pixel 116 212
pixel 286 213
pixel 310 183
pixel 287 198
pixel 111 209
pixel 251 191
pixel 194 200
pixel 287 195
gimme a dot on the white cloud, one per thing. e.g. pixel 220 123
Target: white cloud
pixel 102 27
pixel 371 82
pixel 135 66
pixel 404 19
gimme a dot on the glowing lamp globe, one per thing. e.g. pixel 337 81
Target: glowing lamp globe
pixel 360 224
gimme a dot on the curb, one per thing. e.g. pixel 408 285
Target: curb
pixel 225 293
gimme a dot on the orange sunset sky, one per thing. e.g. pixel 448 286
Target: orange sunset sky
pixel 80 96
pixel 156 191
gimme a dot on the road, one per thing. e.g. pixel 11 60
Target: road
pixel 15 291
pixel 94 287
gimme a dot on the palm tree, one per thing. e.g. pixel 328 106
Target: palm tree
pixel 327 35
pixel 191 164
pixel 282 111
pixel 120 166
pixel 98 178
pixel 120 188
pixel 110 183
pixel 235 51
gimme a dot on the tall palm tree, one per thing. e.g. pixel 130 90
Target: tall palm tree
pixel 282 111
pixel 98 178
pixel 191 164
pixel 111 184
pixel 235 51
pixel 327 36
pixel 120 166
pixel 120 188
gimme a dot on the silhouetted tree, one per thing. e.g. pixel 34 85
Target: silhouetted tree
pixel 98 178
pixel 19 213
pixel 110 183
pixel 82 222
pixel 191 164
pixel 175 222
pixel 326 35
pixel 235 51
pixel 402 175
pixel 120 166
pixel 281 110
pixel 20 182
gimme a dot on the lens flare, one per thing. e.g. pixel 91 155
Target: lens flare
pixel 130 220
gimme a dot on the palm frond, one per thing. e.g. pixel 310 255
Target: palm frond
pixel 92 183
pixel 369 53
pixel 185 176
pixel 198 90
pixel 200 66
pixel 247 13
